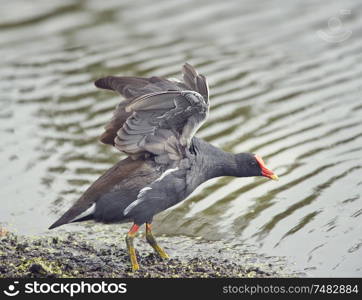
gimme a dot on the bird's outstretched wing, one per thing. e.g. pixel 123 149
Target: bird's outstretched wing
pixel 158 116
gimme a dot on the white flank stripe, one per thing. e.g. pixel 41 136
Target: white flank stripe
pixel 164 174
pixel 144 190
pixel 139 199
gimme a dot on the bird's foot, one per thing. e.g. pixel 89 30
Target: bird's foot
pixel 135 266
pixel 152 241
pixel 161 253
pixel 131 250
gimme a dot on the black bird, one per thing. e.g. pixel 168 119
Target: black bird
pixel 155 126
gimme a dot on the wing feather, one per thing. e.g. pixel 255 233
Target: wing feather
pixel 158 116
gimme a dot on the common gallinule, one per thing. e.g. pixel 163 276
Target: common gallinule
pixel 155 126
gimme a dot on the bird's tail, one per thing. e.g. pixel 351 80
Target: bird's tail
pixel 85 218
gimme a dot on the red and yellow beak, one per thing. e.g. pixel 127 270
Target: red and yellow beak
pixel 264 170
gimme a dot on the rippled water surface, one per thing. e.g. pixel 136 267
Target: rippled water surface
pixel 285 79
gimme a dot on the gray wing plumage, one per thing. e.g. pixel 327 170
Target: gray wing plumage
pixel 158 116
pixel 194 81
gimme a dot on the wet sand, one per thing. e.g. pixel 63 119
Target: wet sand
pixel 73 255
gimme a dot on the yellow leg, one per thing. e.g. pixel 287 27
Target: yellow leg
pixel 151 240
pixel 131 251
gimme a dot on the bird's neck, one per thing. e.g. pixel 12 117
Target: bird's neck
pixel 215 162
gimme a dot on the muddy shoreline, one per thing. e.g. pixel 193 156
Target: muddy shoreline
pixel 75 254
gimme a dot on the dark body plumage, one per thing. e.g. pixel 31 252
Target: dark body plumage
pixel 155 126
pixel 113 192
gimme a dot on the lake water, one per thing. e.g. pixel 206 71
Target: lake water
pixel 285 80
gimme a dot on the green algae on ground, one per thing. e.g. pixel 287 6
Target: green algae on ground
pixel 73 255
pixel 40 266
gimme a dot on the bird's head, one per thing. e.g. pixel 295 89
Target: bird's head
pixel 251 164
pixel 264 170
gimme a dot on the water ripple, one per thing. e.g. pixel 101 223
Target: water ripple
pixel 277 89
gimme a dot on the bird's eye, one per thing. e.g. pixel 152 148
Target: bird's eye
pixel 253 163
